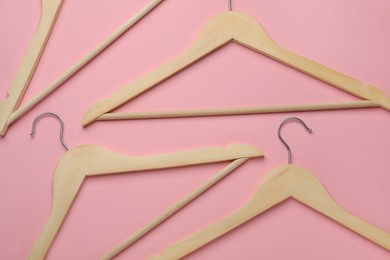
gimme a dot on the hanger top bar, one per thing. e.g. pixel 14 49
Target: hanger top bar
pixel 97 160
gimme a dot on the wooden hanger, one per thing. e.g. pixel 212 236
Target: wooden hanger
pixel 238 27
pixel 91 160
pixel 289 181
pixel 49 12
pixel 9 108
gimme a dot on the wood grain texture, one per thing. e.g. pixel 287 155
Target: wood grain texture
pixel 235 111
pixel 282 183
pixel 244 30
pixel 83 62
pixel 25 72
pixel 90 160
pixel 172 210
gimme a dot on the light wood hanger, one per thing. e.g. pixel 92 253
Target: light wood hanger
pixel 91 160
pixel 9 108
pixel 238 27
pixel 289 181
pixel 49 13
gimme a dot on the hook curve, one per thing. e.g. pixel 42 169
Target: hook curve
pixel 61 129
pixel 230 5
pixel 284 142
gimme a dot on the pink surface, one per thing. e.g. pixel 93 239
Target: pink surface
pixel 348 150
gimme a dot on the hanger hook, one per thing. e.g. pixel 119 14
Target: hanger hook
pixel 230 5
pixel 61 130
pixel 284 142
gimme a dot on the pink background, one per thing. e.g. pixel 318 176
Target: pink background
pixel 348 150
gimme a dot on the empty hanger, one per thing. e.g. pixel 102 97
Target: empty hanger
pixel 280 184
pixel 91 160
pixel 9 108
pixel 49 12
pixel 238 27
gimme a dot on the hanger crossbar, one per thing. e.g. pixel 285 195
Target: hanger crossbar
pixel 236 111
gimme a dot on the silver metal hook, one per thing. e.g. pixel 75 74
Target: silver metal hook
pixel 61 130
pixel 230 5
pixel 284 142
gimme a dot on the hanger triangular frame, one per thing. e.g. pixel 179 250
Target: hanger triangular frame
pixel 90 160
pixel 289 181
pixel 234 26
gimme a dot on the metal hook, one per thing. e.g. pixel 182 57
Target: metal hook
pixel 61 130
pixel 230 5
pixel 284 142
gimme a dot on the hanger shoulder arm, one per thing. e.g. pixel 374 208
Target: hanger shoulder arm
pixel 67 181
pixel 332 77
pixel 335 212
pixel 207 235
pixel 249 33
pixel 257 40
pixel 308 189
pixel 207 42
pixel 272 190
pixel 359 226
pixel 97 160
pixel 203 237
pixel 23 76
pixel 246 31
